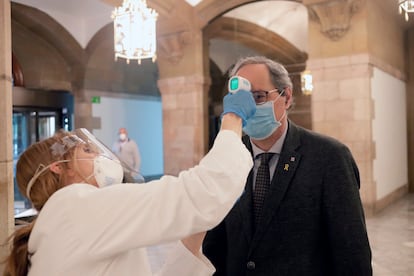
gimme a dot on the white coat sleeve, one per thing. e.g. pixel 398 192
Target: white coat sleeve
pixel 128 216
pixel 182 262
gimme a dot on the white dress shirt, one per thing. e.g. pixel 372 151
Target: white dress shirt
pixel 276 149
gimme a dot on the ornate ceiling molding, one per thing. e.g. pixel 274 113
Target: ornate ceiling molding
pixel 171 46
pixel 334 15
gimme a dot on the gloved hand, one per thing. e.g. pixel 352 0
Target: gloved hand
pixel 240 103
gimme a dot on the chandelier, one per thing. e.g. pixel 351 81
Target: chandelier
pixel 406 6
pixel 134 31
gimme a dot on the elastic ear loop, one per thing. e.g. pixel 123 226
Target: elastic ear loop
pixel 41 169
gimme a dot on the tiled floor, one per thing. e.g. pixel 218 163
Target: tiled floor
pixel 391 234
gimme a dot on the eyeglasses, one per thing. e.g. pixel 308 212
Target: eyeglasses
pixel 260 96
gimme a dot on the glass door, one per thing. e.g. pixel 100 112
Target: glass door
pixel 29 126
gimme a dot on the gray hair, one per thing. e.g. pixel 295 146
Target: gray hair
pixel 278 74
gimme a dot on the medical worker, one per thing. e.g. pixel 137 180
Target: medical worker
pixel 86 225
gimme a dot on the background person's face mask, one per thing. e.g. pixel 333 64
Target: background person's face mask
pixel 263 123
pixel 122 136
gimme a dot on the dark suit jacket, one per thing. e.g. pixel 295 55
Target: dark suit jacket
pixel 313 217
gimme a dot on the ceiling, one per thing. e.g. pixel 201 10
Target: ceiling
pixel 77 18
pixel 84 18
pixel 289 19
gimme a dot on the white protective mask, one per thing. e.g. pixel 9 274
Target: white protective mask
pixel 122 136
pixel 107 171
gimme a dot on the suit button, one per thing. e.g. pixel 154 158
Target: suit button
pixel 251 265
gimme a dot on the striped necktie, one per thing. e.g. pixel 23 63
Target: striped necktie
pixel 261 186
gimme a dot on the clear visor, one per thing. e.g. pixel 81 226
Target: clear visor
pixel 82 137
pixel 85 140
pixel 92 144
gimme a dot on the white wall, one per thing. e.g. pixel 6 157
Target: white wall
pixel 143 119
pixel 389 133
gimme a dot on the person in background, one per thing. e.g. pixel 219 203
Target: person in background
pixel 89 225
pixel 301 212
pixel 127 151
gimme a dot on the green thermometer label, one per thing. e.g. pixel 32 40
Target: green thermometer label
pixel 234 84
pixel 237 83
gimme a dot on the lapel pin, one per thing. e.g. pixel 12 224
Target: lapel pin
pixel 286 168
pixel 292 159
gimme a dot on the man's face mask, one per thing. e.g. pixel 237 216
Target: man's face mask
pixel 263 123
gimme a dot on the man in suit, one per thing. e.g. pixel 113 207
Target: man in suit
pixel 311 221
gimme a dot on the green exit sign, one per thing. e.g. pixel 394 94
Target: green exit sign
pixel 96 99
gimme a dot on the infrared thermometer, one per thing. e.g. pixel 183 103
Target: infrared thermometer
pixel 237 83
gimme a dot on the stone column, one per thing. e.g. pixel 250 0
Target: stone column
pixel 83 111
pixel 410 107
pixel 6 106
pixel 342 108
pixel 347 43
pixel 185 114
pixel 341 103
pixel 184 86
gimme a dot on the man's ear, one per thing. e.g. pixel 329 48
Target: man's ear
pixel 56 168
pixel 288 94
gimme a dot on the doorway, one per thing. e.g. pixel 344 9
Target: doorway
pixel 37 115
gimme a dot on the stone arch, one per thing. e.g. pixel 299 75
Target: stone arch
pixel 208 10
pixel 258 38
pixel 54 60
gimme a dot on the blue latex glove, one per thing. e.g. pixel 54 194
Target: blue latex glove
pixel 240 103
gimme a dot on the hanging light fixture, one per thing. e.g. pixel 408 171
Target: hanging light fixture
pixel 306 82
pixel 407 6
pixel 135 31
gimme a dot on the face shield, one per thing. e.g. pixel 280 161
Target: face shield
pixel 83 145
pixel 130 174
pixel 92 143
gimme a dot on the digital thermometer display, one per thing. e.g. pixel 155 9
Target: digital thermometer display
pixel 237 83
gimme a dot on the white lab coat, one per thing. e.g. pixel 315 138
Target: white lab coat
pixel 84 230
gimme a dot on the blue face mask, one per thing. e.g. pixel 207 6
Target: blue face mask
pixel 263 123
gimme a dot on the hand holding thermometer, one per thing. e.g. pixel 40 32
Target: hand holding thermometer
pixel 239 100
pixel 237 83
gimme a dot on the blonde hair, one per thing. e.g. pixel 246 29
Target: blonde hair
pixel 46 184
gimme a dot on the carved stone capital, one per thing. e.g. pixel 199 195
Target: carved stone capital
pixel 334 15
pixel 170 46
